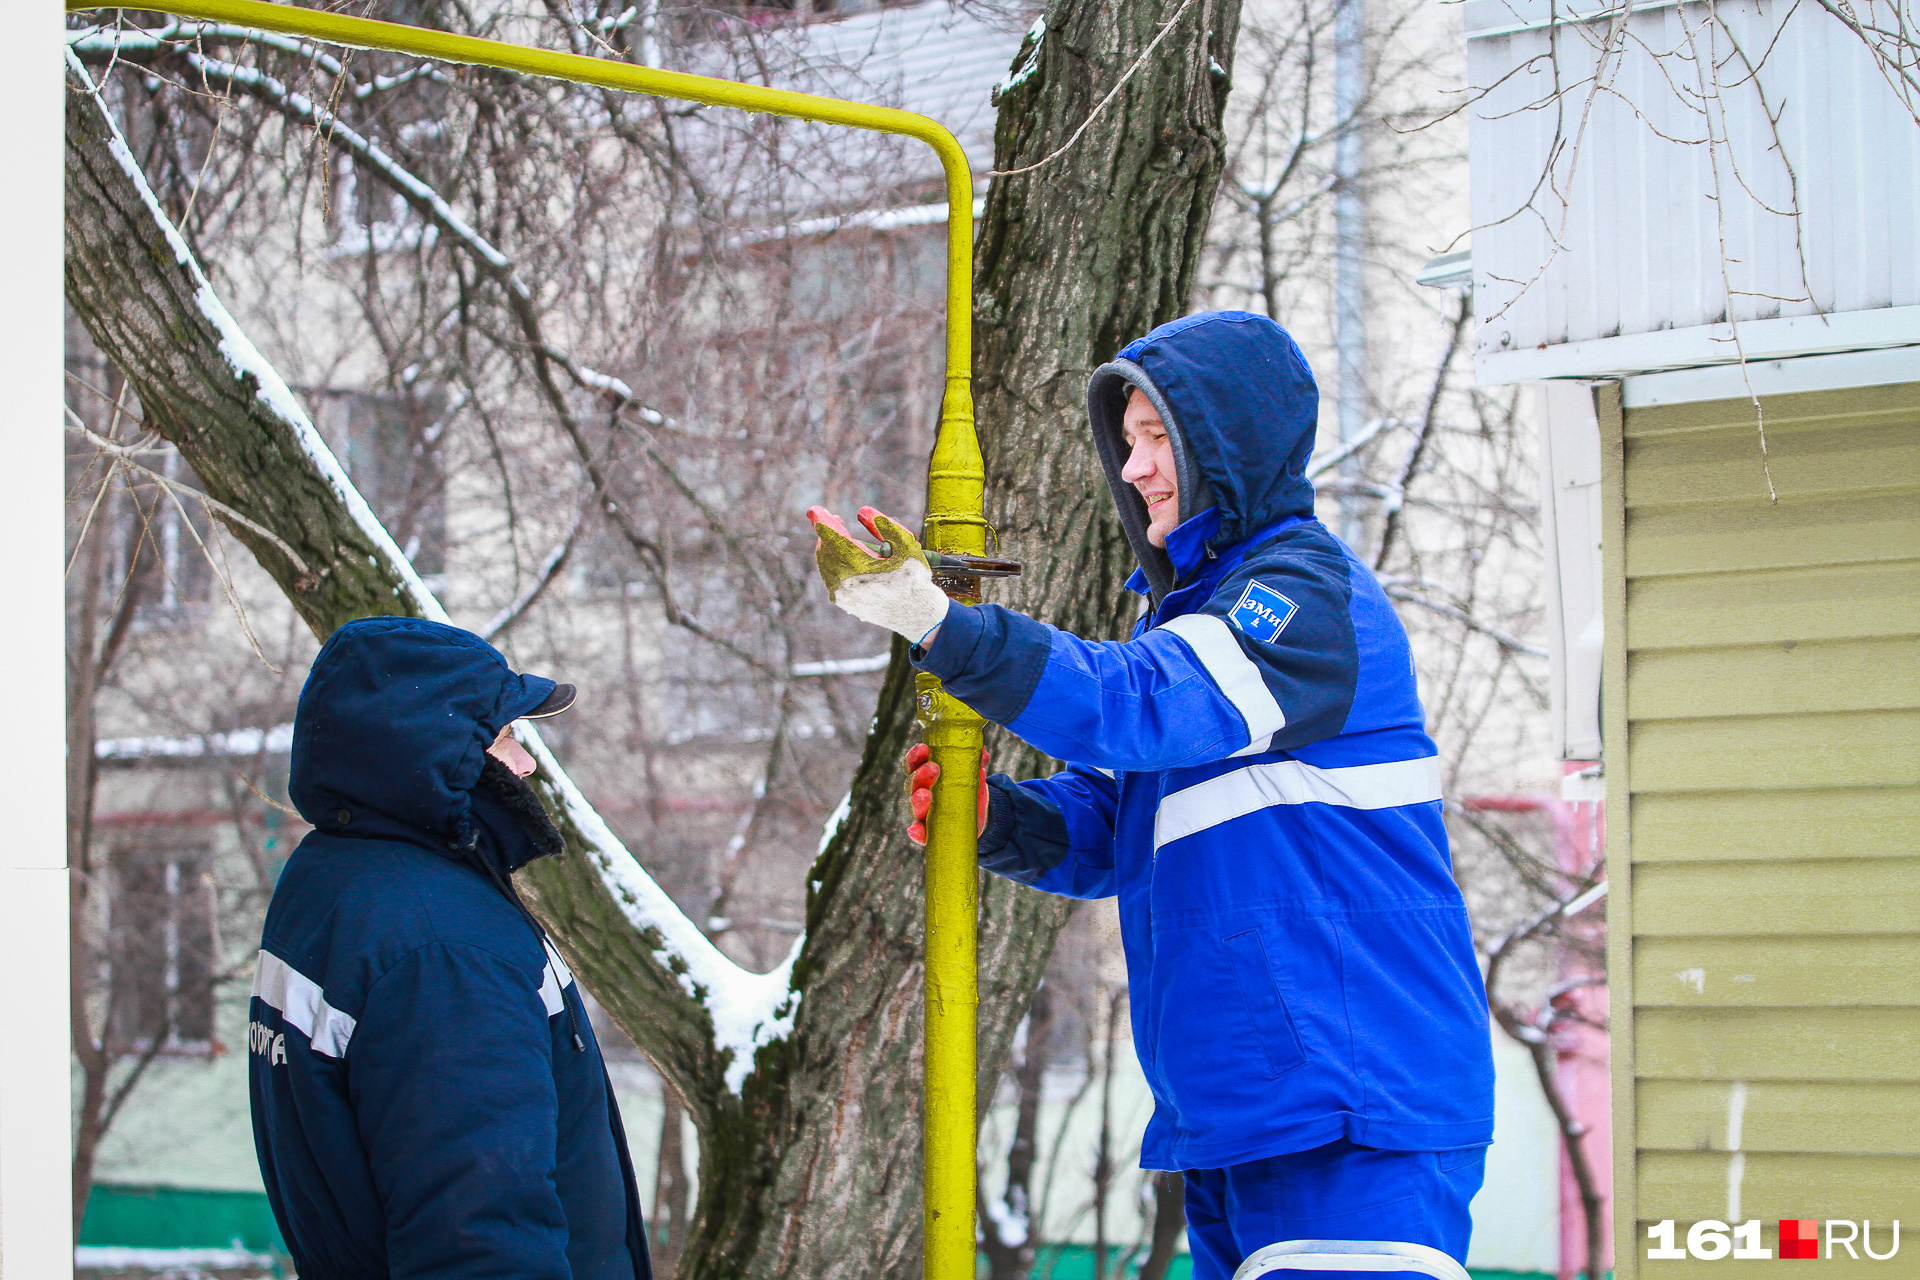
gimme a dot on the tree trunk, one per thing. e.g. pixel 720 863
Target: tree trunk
pixel 669 1188
pixel 1169 1220
pixel 812 1165
pixel 1009 1259
pixel 1103 1161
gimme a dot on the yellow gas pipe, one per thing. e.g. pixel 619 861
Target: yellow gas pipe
pixel 955 489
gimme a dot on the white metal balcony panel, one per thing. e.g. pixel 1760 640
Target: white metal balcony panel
pixel 1604 210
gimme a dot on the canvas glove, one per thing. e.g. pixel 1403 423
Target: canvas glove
pixel 896 592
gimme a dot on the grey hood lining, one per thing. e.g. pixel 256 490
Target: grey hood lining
pixel 1107 392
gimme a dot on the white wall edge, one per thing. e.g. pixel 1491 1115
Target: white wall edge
pixel 36 1208
pixel 1705 346
pixel 1773 378
pixel 36 1204
pixel 1495 12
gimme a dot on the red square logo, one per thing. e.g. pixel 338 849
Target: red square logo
pixel 1799 1238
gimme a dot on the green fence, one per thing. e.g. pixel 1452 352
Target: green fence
pixel 1075 1262
pixel 153 1217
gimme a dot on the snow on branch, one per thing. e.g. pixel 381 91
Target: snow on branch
pixel 495 264
pixel 543 577
pixel 117 40
pixel 1347 448
pixel 246 362
pixel 842 666
pixel 748 1010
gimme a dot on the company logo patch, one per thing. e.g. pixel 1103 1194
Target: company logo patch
pixel 1262 613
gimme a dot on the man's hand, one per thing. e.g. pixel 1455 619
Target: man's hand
pixel 896 592
pixel 922 773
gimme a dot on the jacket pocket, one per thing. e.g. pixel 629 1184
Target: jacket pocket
pixel 1262 1002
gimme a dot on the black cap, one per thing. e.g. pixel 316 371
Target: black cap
pixel 559 700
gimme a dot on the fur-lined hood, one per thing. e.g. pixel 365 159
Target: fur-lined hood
pixel 390 741
pixel 1240 406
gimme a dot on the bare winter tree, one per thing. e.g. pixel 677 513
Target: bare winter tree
pixel 1537 1025
pixel 800 1081
pixel 159 887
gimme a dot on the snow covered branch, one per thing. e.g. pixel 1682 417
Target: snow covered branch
pixel 549 569
pixel 842 666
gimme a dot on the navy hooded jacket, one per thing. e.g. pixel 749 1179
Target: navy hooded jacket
pixel 1251 775
pixel 421 1105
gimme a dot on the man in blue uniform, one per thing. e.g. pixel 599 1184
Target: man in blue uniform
pixel 1251 775
pixel 428 1098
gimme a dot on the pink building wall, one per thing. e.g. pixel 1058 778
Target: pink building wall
pixel 1580 1042
pixel 1582 1045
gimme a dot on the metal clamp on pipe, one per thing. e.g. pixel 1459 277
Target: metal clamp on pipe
pixel 959 576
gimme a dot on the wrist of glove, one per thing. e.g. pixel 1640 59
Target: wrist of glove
pixel 896 592
pixel 903 600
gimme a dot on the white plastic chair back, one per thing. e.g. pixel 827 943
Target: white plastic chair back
pixel 1350 1255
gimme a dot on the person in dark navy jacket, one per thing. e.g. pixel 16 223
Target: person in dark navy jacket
pixel 1251 776
pixel 428 1098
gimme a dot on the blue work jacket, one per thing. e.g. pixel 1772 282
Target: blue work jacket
pixel 428 1098
pixel 1250 774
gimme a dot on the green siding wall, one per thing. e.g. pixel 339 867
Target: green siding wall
pixel 1770 933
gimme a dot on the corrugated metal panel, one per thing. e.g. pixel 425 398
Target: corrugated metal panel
pixel 1771 669
pixel 1627 236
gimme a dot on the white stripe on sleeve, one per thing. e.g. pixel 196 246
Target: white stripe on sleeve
pixel 1213 642
pixel 300 1003
pixel 553 981
pixel 1261 786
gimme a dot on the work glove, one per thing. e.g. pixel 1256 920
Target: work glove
pixel 896 592
pixel 922 773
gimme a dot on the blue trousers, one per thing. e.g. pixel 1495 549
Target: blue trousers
pixel 1337 1192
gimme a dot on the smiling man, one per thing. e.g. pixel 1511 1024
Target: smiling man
pixel 1251 776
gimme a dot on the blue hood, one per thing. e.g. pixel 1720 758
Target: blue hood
pixel 1239 404
pixel 391 734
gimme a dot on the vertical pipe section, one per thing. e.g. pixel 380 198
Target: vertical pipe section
pixel 954 732
pixel 956 488
pixel 955 523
